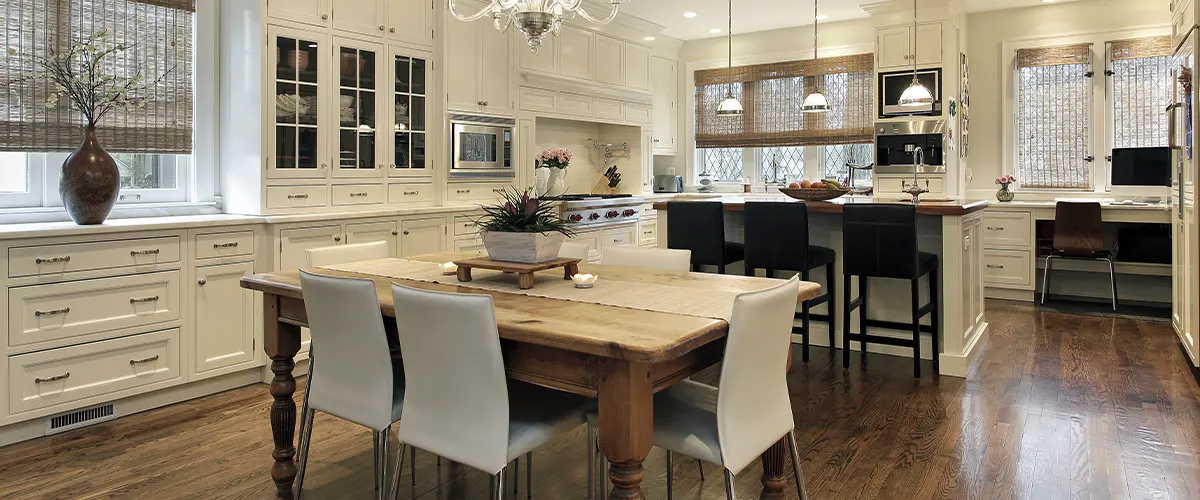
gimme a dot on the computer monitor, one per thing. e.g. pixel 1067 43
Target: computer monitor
pixel 1141 167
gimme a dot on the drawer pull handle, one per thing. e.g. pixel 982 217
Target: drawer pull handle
pixel 995 228
pixel 55 378
pixel 357 195
pixel 497 190
pixel 150 359
pixel 463 191
pixel 232 244
pixel 52 312
pixel 995 266
pixel 411 193
pixel 144 300
pixel 297 196
pixel 52 260
pixel 135 253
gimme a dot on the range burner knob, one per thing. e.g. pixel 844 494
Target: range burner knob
pixel 629 212
pixel 576 217
pixel 594 216
pixel 612 214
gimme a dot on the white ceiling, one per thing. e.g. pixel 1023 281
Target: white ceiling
pixel 762 15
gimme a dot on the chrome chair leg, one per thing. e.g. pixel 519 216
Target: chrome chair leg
pixel 399 470
pixel 382 466
pixel 305 438
pixel 516 476
pixel 670 470
pixel 529 475
pixel 1112 278
pixel 375 461
pixel 412 465
pixel 729 495
pixel 1046 277
pixel 498 479
pixel 800 487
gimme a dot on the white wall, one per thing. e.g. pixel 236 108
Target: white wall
pixel 790 44
pixel 986 34
pixel 588 164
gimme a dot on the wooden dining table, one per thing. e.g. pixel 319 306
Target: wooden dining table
pixel 621 356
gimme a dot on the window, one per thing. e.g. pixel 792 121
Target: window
pixel 836 158
pixel 1140 72
pixel 723 164
pixel 152 144
pixel 777 165
pixel 781 164
pixel 1053 114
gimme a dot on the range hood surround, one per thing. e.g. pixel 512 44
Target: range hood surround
pixel 588 165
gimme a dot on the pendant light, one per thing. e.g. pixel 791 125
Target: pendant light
pixel 730 106
pixel 916 94
pixel 816 101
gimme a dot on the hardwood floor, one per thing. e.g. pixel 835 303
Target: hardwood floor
pixel 1059 406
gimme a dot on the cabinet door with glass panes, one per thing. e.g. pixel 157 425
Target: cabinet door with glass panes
pixel 361 73
pixel 296 134
pixel 410 133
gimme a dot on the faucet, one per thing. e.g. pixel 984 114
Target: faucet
pixel 918 159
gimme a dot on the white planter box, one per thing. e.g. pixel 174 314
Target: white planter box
pixel 528 248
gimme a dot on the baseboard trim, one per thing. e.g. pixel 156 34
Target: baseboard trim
pixel 1195 370
pixel 957 365
pixel 1010 294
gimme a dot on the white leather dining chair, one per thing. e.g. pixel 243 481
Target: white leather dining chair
pixel 664 259
pixel 458 402
pixel 749 411
pixel 356 380
pixel 341 254
pixel 574 250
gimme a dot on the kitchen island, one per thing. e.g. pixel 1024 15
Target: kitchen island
pixel 952 229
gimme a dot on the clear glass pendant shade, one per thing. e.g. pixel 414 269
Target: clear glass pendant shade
pixel 535 18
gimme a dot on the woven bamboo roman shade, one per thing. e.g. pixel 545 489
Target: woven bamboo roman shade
pixel 772 94
pixel 1134 48
pixel 1079 53
pixel 158 34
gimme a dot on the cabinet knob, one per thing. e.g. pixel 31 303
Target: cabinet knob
pixel 380 167
pixel 324 17
pixel 392 30
pixel 394 232
pixel 381 28
pixel 337 238
pixel 406 233
pixel 202 282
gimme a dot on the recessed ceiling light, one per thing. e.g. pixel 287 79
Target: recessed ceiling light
pixel 689 15
pixel 649 39
pixel 1049 1
pixel 714 30
pixel 822 17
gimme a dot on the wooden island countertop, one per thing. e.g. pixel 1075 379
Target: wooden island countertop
pixel 939 207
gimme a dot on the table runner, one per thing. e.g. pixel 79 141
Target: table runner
pixel 682 300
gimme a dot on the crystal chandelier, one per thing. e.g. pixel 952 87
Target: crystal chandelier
pixel 535 18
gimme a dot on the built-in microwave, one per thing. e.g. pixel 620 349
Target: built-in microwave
pixel 481 147
pixel 892 85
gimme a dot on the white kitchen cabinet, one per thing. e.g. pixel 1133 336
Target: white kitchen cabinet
pixel 421 236
pixel 411 21
pixel 544 61
pixel 647 160
pixel 363 17
pixel 294 244
pixel 409 133
pixel 478 68
pixel 361 70
pixel 664 124
pixel 637 66
pixel 929 44
pixel 297 133
pixel 610 60
pixel 367 232
pixel 224 312
pixel 894 46
pixel 314 12
pixel 577 53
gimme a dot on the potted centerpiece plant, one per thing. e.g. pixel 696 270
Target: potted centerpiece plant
pixel 1005 194
pixel 91 78
pixel 550 177
pixel 522 228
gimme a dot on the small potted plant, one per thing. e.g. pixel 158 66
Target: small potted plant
pixel 522 228
pixel 551 173
pixel 1004 194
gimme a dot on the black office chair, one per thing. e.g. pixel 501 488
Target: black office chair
pixel 1079 235
pixel 699 226
pixel 777 239
pixel 880 241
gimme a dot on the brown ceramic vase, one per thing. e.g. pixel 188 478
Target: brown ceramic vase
pixel 90 182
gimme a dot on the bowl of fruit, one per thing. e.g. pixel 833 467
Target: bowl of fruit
pixel 822 190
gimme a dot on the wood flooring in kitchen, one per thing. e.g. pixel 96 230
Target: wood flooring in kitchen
pixel 1059 406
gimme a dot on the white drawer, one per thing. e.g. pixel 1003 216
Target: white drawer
pixel 214 245
pixel 410 193
pixel 358 194
pixel 58 259
pixel 38 313
pixel 538 100
pixel 474 192
pixel 647 211
pixel 576 105
pixel 57 376
pixel 608 108
pixel 897 184
pixel 296 196
pixel 1008 229
pixel 592 240
pixel 1008 268
pixel 647 233
pixel 618 237
pixel 465 226
pixel 639 113
pixel 470 246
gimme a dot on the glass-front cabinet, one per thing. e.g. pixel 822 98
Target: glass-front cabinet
pixel 359 104
pixel 296 137
pixel 409 131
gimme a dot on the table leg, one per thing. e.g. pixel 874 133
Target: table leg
pixel 464 274
pixel 527 281
pixel 626 396
pixel 774 481
pixel 281 342
pixel 570 271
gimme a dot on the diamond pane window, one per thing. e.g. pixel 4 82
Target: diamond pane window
pixel 836 158
pixel 1053 115
pixel 782 164
pixel 724 164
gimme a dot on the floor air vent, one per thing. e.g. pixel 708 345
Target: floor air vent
pixel 80 418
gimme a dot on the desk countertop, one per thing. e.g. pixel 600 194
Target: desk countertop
pixel 950 208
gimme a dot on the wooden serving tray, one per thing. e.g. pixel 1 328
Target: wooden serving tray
pixel 570 268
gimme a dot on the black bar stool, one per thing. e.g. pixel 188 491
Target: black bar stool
pixel 777 239
pixel 699 226
pixel 880 241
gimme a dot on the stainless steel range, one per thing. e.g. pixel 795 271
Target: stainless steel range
pixel 594 210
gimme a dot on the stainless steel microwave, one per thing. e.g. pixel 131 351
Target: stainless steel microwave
pixel 892 85
pixel 481 147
